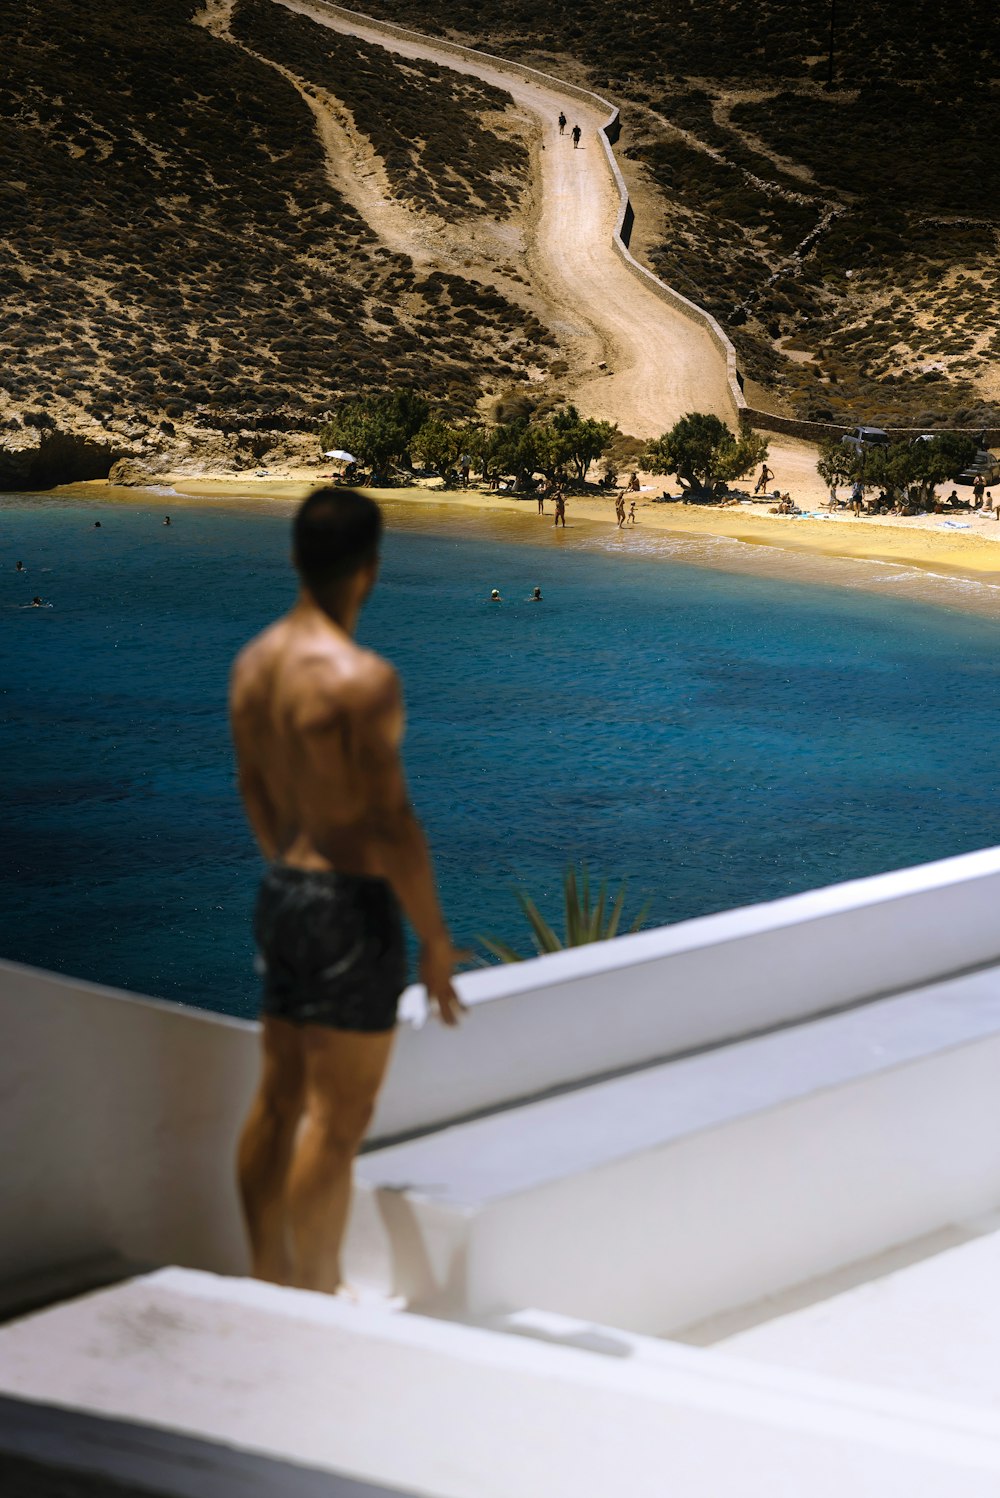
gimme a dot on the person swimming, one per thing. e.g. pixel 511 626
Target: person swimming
pixel 97 525
pixel 18 566
pixel 37 603
pixel 495 596
pixel 166 520
pixel 536 595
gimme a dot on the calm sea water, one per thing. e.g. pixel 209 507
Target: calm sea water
pixel 713 738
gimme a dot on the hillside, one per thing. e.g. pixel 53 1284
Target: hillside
pixel 847 239
pixel 179 265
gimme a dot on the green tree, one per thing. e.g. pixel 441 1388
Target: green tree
pixel 704 454
pixel 484 448
pixel 838 463
pixel 515 450
pixel 577 441
pixel 437 445
pixel 939 461
pixel 378 429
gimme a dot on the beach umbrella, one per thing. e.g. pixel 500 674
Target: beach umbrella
pixel 340 455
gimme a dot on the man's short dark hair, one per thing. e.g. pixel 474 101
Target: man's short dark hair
pixel 335 533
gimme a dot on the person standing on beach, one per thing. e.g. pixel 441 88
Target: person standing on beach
pixel 576 133
pixel 317 723
pixel 631 513
pixel 541 500
pixel 560 509
pixel 620 510
pixel 764 478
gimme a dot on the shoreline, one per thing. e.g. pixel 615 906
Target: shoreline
pixel 922 542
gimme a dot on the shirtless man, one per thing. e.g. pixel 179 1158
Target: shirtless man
pixel 560 509
pixel 317 723
pixel 763 479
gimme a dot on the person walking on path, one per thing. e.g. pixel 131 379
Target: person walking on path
pixel 576 133
pixel 560 509
pixel 562 122
pixel 317 723
pixel 763 479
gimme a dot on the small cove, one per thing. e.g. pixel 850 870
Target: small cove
pixel 714 734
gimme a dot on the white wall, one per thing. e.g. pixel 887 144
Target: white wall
pixel 458 1412
pixel 119 1115
pixel 706 1184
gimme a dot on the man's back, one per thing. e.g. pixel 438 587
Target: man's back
pixel 310 710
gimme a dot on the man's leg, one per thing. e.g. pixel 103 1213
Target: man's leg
pixel 265 1149
pixel 343 1074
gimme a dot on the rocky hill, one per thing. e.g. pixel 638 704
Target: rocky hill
pixel 179 267
pixel 847 238
pixel 219 216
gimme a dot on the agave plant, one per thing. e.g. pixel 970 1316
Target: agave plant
pixel 585 922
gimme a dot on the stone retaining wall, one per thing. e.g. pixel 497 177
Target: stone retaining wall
pixel 818 431
pixel 609 134
pixel 743 414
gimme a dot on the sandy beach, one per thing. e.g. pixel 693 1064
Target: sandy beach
pixel 959 546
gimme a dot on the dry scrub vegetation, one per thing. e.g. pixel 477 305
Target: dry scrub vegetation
pixel 437 131
pixel 847 240
pixel 172 251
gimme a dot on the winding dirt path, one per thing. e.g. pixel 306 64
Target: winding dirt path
pixel 658 364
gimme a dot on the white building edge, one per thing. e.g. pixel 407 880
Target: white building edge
pixel 709 1210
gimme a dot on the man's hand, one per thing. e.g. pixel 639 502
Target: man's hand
pixel 437 964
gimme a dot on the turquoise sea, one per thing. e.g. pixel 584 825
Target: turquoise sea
pixel 714 734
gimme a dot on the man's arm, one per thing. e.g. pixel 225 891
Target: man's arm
pixel 252 787
pixel 399 837
pixel 258 808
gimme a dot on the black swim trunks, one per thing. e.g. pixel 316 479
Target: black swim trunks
pixel 331 949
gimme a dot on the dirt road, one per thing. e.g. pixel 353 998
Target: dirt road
pixel 658 364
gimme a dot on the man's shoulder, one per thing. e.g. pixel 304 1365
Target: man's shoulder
pixel 357 682
pixel 251 662
pixel 372 680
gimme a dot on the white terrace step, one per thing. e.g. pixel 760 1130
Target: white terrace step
pixel 663 1197
pixel 418 1406
pixel 931 1328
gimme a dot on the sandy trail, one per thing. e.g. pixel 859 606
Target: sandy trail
pixel 659 365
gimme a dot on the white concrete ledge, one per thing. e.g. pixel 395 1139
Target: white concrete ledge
pixel 930 1328
pixel 672 1194
pixel 121 1113
pixel 594 1010
pixel 455 1412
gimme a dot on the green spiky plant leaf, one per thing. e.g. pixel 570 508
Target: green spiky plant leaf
pixel 585 921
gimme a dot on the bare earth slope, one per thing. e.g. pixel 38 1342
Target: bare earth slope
pixel 847 240
pixel 659 364
pixel 181 267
